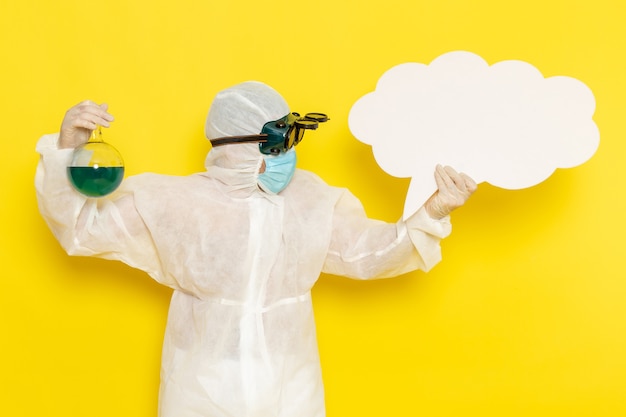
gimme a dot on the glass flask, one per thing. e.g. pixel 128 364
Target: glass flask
pixel 97 168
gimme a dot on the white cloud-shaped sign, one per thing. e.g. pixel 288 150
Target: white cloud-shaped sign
pixel 504 124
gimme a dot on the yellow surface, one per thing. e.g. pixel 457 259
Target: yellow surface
pixel 526 316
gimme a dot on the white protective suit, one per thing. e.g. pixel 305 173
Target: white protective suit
pixel 240 338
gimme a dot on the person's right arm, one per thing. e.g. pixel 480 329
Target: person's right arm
pixel 80 120
pixel 108 227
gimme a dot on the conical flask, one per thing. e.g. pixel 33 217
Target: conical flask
pixel 97 168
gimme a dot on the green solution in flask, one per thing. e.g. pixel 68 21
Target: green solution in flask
pixel 97 168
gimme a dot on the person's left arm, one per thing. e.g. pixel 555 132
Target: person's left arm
pixel 363 248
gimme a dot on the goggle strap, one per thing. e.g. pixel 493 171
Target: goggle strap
pixel 262 138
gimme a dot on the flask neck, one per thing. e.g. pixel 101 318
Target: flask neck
pixel 96 135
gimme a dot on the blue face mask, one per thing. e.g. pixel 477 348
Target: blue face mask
pixel 279 170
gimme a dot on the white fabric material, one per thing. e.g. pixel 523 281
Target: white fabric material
pixel 243 109
pixel 240 338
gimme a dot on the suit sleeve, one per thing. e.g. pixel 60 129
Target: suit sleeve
pixel 108 227
pixel 363 248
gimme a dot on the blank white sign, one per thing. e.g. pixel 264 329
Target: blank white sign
pixel 505 124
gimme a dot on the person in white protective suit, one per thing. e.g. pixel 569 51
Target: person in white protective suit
pixel 241 244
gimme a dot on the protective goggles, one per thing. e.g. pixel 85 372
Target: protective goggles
pixel 279 135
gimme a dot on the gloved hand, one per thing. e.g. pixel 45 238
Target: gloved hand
pixel 453 190
pixel 80 120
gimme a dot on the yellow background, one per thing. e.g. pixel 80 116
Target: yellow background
pixel 526 315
